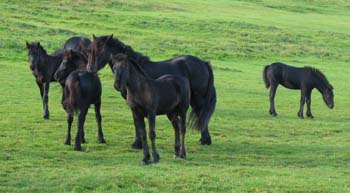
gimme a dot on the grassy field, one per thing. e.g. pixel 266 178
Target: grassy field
pixel 251 151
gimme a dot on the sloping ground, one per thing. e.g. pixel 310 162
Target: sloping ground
pixel 251 151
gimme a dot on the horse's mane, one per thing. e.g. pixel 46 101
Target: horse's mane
pixel 138 57
pixel 131 61
pixel 319 75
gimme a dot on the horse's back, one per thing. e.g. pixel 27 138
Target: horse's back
pixel 73 43
pixel 289 76
pixel 89 83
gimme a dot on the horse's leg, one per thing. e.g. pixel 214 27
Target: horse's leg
pixel 69 121
pixel 63 95
pixel 182 135
pixel 152 136
pixel 138 142
pixel 302 102
pixel 46 87
pixel 99 120
pixel 308 104
pixel 140 126
pixel 272 94
pixel 81 121
pixel 197 103
pixel 175 122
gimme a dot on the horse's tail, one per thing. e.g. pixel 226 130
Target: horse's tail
pixel 72 95
pixel 200 115
pixel 267 82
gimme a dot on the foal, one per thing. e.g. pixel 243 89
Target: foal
pixel 169 94
pixel 82 89
pixel 305 79
pixel 43 67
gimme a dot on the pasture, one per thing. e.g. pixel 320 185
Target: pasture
pixel 251 151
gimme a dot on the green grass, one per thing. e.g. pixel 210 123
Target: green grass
pixel 251 151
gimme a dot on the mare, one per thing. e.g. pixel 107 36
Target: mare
pixel 146 97
pixel 305 79
pixel 198 72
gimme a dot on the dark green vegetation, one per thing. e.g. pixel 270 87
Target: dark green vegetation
pixel 251 151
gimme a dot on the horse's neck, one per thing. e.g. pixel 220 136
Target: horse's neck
pixel 137 81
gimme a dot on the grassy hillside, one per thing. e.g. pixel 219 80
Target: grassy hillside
pixel 251 151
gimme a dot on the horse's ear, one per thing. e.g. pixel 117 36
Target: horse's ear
pixel 93 36
pixel 82 46
pixel 71 52
pixel 109 38
pixel 38 43
pixel 27 44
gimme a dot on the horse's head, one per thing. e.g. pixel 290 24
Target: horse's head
pixel 99 52
pixel 36 55
pixel 328 96
pixel 121 71
pixel 71 61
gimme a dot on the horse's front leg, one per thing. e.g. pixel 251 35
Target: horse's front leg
pixel 272 94
pixel 79 137
pixel 63 94
pixel 182 135
pixel 101 139
pixel 46 87
pixel 308 105
pixel 139 123
pixel 152 136
pixel 69 121
pixel 302 102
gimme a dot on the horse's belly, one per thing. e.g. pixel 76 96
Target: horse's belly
pixel 290 85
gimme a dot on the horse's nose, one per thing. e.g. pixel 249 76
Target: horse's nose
pixel 117 85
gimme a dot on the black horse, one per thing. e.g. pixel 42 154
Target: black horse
pixel 198 72
pixel 72 60
pixel 77 43
pixel 169 94
pixel 305 79
pixel 82 89
pixel 44 66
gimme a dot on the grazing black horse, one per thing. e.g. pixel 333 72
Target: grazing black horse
pixel 198 72
pixel 43 67
pixel 82 89
pixel 169 94
pixel 305 79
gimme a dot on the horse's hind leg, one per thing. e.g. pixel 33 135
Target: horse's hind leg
pixel 79 136
pixel 69 121
pixel 175 122
pixel 152 136
pixel 308 105
pixel 46 87
pixel 272 94
pixel 99 120
pixel 302 102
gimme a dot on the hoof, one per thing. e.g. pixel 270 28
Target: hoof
pixel 136 145
pixel 102 140
pixel 310 116
pixel 46 117
pixel 155 158
pixel 67 143
pixel 205 140
pixel 144 162
pixel 83 140
pixel 77 148
pixel 301 116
